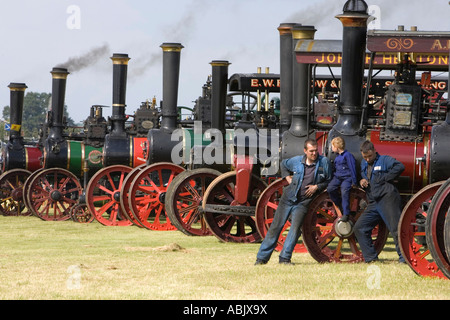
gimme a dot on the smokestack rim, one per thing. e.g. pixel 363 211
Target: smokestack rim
pixel 17 86
pixel 220 63
pixel 59 73
pixel 301 32
pixel 353 19
pixel 171 47
pixel 120 58
pixel 285 28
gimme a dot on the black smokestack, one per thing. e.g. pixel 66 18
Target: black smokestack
pixel 14 155
pixel 17 93
pixel 219 94
pixel 171 72
pixel 116 148
pixel 59 80
pixel 286 61
pixel 55 146
pixel 120 69
pixel 301 84
pixel 354 20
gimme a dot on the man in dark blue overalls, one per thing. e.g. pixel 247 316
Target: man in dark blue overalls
pixel 378 173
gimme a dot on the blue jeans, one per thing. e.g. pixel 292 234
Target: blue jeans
pixel 286 208
pixel 387 209
pixel 343 199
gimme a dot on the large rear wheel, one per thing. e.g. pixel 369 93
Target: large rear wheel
pixel 184 198
pixel 103 195
pixel 228 220
pixel 330 240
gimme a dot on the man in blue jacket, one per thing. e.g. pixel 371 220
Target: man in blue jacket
pixel 378 173
pixel 307 175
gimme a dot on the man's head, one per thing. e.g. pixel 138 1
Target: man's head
pixel 311 150
pixel 368 151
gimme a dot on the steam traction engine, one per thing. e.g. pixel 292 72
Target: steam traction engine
pixel 403 123
pixel 409 122
pixel 19 158
pixel 417 117
pixel 51 193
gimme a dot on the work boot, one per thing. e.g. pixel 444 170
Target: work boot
pixel 286 261
pixel 260 261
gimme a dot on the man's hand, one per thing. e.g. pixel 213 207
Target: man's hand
pixel 311 190
pixel 289 179
pixel 364 183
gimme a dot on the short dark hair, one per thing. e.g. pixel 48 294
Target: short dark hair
pixel 367 146
pixel 310 141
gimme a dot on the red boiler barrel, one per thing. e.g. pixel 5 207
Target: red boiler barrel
pixel 411 154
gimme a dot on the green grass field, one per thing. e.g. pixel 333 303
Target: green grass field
pixel 68 260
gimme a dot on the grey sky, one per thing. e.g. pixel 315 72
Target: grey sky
pixel 38 35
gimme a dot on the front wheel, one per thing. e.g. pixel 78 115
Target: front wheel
pixel 330 240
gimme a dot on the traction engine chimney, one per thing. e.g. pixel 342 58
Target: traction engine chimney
pixel 120 69
pixel 55 146
pixel 171 74
pixel 160 143
pixel 14 154
pixel 354 20
pixel 286 75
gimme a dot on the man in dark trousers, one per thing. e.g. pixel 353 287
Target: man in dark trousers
pixel 378 173
pixel 307 175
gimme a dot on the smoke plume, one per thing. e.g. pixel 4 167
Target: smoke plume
pixel 141 64
pixel 181 31
pixel 75 64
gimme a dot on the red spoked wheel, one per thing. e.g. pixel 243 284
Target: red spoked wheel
pixel 184 197
pixel 124 194
pixel 103 196
pixel 265 210
pixel 411 233
pixel 52 193
pixel 12 201
pixel 330 240
pixel 447 235
pixel 146 198
pixel 26 187
pixel 81 214
pixel 226 220
pixel 434 227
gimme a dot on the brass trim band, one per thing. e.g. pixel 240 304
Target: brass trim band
pixel 353 20
pixel 220 63
pixel 172 47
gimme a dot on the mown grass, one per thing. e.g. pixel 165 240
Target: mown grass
pixel 67 260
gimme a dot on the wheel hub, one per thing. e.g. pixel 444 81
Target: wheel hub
pixel 162 197
pixel 56 195
pixel 17 194
pixel 116 196
pixel 344 229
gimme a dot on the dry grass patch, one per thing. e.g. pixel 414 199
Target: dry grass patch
pixel 67 260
